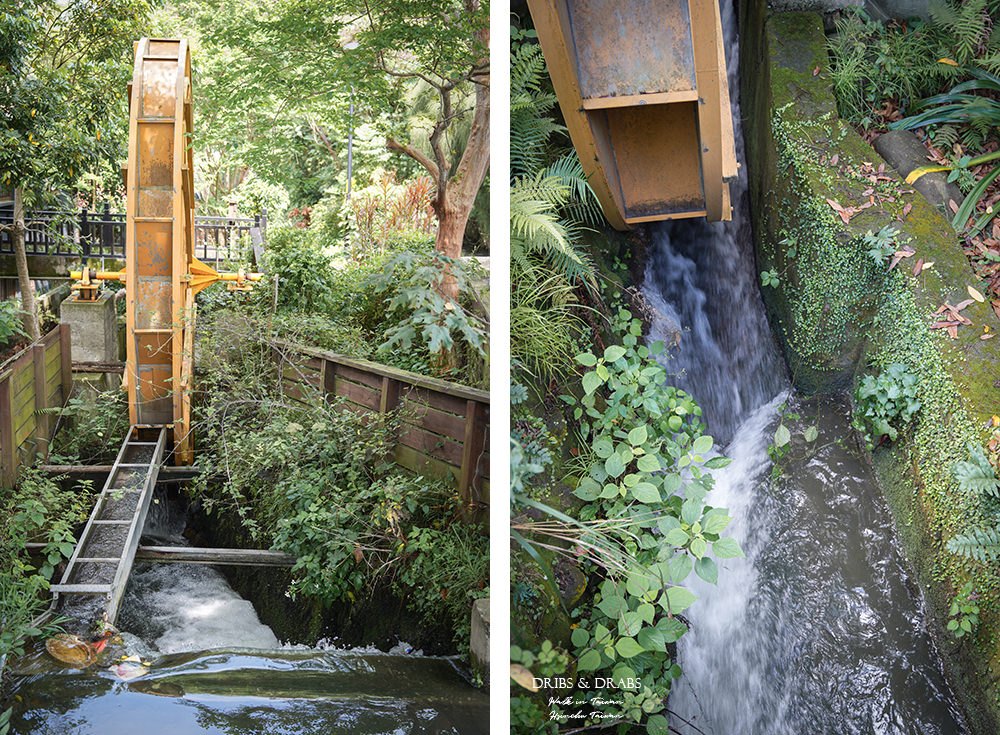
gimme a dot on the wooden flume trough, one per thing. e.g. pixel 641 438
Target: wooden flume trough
pixel 643 89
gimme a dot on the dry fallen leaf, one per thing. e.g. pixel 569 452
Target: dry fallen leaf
pixel 816 71
pixel 987 336
pixel 918 267
pixel 975 294
pixel 963 304
pixel 953 332
pixel 523 676
pixel 928 264
pixel 954 207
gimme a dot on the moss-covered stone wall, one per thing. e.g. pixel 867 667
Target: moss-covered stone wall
pixel 838 313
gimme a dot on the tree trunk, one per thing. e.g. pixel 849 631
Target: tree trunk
pixel 454 205
pixel 30 316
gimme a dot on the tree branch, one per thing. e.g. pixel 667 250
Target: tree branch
pixel 394 145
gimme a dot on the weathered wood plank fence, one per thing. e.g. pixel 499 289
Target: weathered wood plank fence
pixel 444 426
pixel 38 378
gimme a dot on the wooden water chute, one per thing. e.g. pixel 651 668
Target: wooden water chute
pixel 161 274
pixel 643 89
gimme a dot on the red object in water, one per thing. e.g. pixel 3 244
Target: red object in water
pixel 99 644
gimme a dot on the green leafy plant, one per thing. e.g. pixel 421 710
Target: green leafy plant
pixel 770 278
pixel 412 282
pixel 964 612
pixel 645 525
pixel 977 477
pixel 316 480
pixel 300 274
pixel 11 321
pixel 881 245
pixel 959 106
pixel 886 403
pixel 38 510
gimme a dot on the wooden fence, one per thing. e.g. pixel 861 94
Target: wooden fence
pixel 38 378
pixel 444 426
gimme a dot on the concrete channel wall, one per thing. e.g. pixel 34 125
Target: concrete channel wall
pixel 816 190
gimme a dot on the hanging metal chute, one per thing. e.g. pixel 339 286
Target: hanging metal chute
pixel 643 88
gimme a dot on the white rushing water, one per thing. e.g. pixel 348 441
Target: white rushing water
pixel 187 607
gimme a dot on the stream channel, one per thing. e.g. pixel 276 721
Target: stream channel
pixel 819 630
pixel 216 668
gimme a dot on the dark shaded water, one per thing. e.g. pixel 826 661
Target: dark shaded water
pixel 216 668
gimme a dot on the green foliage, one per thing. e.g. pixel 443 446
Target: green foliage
pixel 647 523
pixel 544 323
pixel 976 474
pixel 38 509
pixel 531 101
pixel 964 612
pixel 316 480
pixel 299 272
pixel 881 245
pixel 63 69
pixel 981 544
pixel 770 278
pixel 886 403
pixel 11 323
pixel 872 63
pixel 970 29
pixel 548 192
pixel 446 571
pixel 91 428
pixel 412 283
pixel 975 112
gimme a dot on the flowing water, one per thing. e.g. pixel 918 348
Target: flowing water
pixel 818 631
pixel 216 668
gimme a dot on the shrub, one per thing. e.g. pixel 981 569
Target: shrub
pixel 300 274
pixel 316 480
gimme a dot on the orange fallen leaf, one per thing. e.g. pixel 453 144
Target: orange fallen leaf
pixel 816 71
pixel 953 332
pixel 954 207
pixel 918 267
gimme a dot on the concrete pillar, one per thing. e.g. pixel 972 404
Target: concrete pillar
pixel 479 639
pixel 93 327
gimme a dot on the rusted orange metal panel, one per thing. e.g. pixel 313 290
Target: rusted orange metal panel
pixel 159 237
pixel 642 86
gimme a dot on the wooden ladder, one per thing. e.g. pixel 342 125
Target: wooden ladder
pixel 102 560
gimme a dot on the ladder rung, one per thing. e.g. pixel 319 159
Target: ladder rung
pixel 126 464
pixel 97 559
pixel 160 120
pixel 153 219
pixel 142 444
pixel 81 589
pixel 112 523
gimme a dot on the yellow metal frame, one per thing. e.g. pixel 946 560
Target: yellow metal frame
pixel 645 96
pixel 161 274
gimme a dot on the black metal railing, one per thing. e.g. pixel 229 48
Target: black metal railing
pixel 86 234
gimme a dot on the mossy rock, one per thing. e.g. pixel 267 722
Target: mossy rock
pixel 838 313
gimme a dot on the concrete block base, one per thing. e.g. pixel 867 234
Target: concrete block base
pixel 479 639
pixel 93 328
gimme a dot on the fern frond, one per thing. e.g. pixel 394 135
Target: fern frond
pixel 981 544
pixel 977 474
